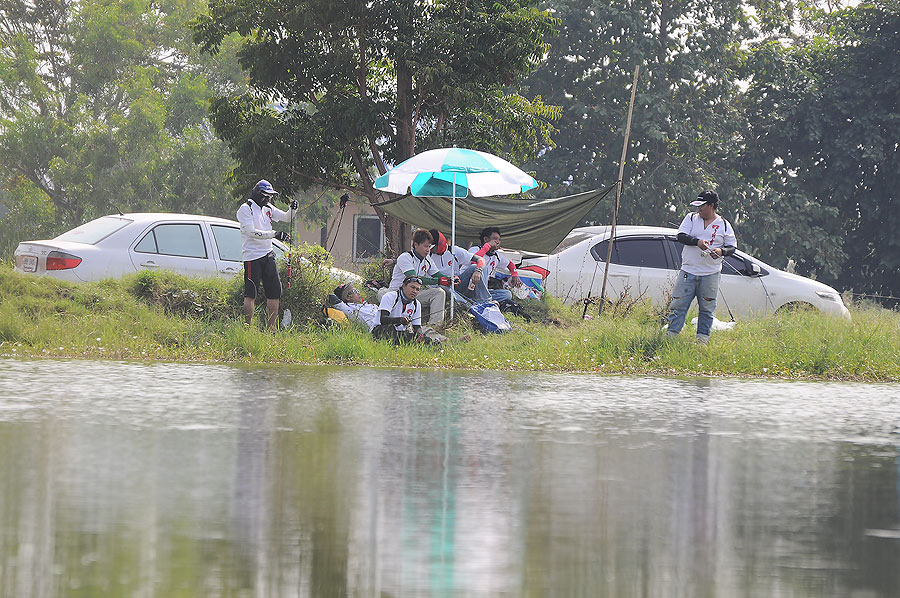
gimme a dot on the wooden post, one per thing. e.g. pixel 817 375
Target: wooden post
pixel 612 232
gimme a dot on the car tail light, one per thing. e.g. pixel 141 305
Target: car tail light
pixel 60 260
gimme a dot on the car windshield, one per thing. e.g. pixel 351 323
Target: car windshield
pixel 572 239
pixel 95 231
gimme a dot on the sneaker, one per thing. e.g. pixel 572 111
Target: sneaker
pixel 702 340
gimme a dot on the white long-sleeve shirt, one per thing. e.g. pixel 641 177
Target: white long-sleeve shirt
pixel 367 314
pixel 256 228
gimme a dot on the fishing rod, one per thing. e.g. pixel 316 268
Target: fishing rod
pixel 290 268
pixel 343 204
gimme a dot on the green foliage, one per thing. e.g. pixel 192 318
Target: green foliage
pixel 310 282
pixel 822 148
pixel 25 214
pixel 177 294
pixel 103 107
pixel 789 111
pixel 686 111
pixel 339 89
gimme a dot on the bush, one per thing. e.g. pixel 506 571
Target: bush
pixel 176 294
pixel 310 282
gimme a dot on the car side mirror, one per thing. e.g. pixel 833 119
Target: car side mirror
pixel 751 269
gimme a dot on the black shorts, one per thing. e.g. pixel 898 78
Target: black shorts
pixel 265 269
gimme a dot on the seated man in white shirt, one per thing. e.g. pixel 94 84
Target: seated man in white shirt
pixel 494 259
pixel 461 263
pixel 401 314
pixel 416 262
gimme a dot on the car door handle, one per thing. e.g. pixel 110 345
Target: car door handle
pixel 150 264
pixel 229 269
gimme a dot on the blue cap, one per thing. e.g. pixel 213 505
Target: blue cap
pixel 265 187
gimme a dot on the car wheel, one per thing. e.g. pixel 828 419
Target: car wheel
pixel 794 307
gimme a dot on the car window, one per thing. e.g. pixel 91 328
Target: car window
pixel 732 264
pixel 228 242
pixel 147 244
pixel 95 231
pixel 638 252
pixel 572 239
pixel 736 262
pixel 182 240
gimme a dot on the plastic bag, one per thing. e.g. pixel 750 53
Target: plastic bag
pixel 489 317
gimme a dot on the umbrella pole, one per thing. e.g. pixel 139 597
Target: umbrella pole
pixel 452 245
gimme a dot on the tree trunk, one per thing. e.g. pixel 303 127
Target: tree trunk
pixel 397 232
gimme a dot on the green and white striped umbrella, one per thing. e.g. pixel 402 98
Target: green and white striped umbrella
pixel 455 172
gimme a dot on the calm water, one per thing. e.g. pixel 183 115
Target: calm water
pixel 122 479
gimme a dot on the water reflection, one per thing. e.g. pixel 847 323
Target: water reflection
pixel 158 480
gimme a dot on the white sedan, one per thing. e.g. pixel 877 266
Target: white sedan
pixel 646 260
pixel 112 246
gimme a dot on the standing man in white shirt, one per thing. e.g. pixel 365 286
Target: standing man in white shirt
pixel 256 216
pixel 707 237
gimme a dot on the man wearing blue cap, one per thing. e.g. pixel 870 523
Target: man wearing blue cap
pixel 706 237
pixel 256 216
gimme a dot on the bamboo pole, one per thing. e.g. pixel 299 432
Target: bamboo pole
pixel 612 232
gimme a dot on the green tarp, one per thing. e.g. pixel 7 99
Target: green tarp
pixel 528 225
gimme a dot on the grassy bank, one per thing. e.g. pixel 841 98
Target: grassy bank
pixel 167 317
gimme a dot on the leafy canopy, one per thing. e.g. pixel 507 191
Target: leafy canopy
pixel 103 106
pixel 341 89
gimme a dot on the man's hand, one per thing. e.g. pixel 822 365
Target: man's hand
pixel 703 245
pixel 294 205
pixel 476 276
pixel 388 263
pixel 515 280
pixel 283 237
pixel 717 252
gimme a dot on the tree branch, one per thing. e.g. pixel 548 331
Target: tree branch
pixel 325 183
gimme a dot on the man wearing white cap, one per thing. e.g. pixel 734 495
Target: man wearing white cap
pixel 256 216
pixel 707 237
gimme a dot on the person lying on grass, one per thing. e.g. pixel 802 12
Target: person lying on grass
pixel 348 299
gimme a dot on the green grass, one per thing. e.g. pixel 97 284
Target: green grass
pixel 159 316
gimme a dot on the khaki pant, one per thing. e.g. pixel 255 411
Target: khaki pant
pixel 432 300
